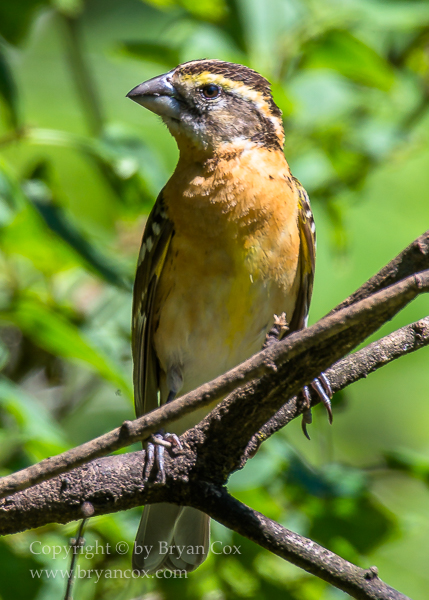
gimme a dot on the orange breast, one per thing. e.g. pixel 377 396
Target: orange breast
pixel 231 266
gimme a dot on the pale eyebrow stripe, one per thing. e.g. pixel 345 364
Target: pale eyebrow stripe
pixel 243 91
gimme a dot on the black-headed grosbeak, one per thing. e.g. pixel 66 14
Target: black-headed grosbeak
pixel 229 243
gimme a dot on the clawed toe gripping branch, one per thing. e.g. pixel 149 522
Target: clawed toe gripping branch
pixel 155 455
pixel 253 410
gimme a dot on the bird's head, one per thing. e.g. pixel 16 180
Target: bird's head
pixel 214 106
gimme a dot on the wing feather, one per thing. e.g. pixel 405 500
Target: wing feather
pixel 307 259
pixel 155 243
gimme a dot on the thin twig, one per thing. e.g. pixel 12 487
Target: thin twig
pixel 81 74
pixel 76 544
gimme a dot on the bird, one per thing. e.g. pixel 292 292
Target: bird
pixel 229 243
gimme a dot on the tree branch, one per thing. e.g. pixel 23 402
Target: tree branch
pixel 347 371
pixel 363 584
pixel 296 361
pixel 116 482
pixel 279 371
pixel 313 349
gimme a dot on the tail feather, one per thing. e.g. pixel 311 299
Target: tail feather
pixel 171 537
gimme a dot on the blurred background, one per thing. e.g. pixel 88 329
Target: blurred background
pixel 80 167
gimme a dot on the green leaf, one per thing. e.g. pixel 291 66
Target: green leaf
pixel 161 3
pixel 50 330
pixel 18 583
pixel 71 8
pixel 260 471
pixel 342 514
pixel 127 164
pixel 4 355
pixel 27 235
pixel 360 522
pixel 156 52
pixel 8 90
pixel 341 51
pixel 133 162
pixel 38 189
pixel 16 18
pixel 234 25
pixel 211 10
pixel 283 101
pixel 409 462
pixel 41 435
pixel 11 196
pixel 57 221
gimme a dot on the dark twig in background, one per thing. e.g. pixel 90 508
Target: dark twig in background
pixel 76 544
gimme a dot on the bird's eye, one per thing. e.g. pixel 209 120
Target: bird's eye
pixel 210 91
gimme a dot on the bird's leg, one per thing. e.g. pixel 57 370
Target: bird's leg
pixel 323 389
pixel 277 331
pixel 156 449
pixel 320 385
pixel 150 460
pixel 307 416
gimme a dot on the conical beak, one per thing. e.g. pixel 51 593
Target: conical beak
pixel 158 95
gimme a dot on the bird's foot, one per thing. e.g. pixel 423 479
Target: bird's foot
pixel 322 387
pixel 155 453
pixel 277 331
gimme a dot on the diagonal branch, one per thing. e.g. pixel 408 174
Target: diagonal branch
pixel 280 371
pixel 63 498
pixel 116 483
pixel 363 584
pixel 347 371
pixel 296 361
pixel 413 259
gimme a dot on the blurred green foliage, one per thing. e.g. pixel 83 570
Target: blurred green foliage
pixel 80 167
